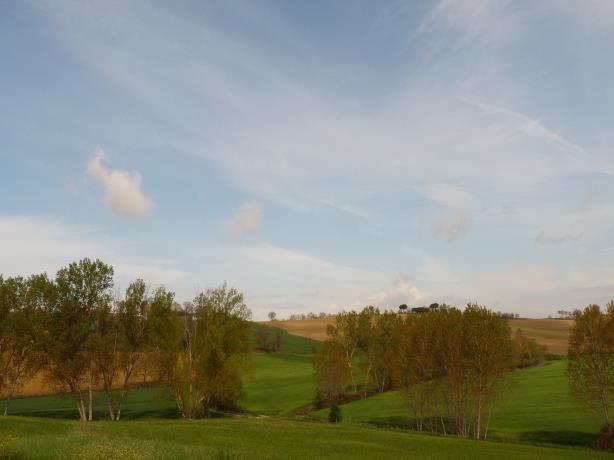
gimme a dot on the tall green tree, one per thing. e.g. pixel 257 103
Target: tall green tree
pixel 27 325
pixel 591 361
pixel 203 353
pixel 83 289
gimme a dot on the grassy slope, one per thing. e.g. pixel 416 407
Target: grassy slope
pixel 245 438
pixel 540 410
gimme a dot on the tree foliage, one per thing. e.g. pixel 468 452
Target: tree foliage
pixel 85 340
pixel 591 362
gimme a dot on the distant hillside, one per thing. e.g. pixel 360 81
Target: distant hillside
pixel 291 343
pixel 554 333
pixel 314 329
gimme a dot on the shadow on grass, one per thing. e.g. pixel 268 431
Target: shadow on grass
pixel 569 438
pixel 433 425
pixel 72 414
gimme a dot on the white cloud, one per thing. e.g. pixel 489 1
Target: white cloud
pixel 452 227
pixel 247 220
pixel 403 291
pixel 122 189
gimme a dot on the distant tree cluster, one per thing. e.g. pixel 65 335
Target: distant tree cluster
pixel 565 314
pixel 268 339
pixel 591 365
pixel 83 339
pixel 450 365
pixel 507 316
pixel 526 351
pixel 403 308
pixel 303 317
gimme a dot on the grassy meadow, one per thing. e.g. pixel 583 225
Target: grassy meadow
pixel 243 438
pixel 539 421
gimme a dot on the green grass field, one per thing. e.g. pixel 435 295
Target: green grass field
pixel 245 438
pixel 539 421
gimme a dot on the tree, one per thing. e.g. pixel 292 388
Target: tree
pixel 81 289
pixel 454 365
pixel 334 415
pixel 526 351
pixel 133 322
pixel 118 343
pixel 346 334
pixel 22 330
pixel 332 372
pixel 272 315
pixel 203 354
pixel 591 361
pixel 403 308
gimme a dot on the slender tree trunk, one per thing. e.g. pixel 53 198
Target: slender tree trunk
pixel 487 423
pixel 81 406
pixel 478 422
pixel 367 380
pixel 124 390
pixel 606 412
pixel 91 394
pixel 352 378
pixel 110 405
pixel 443 425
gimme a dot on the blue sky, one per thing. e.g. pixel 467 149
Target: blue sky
pixel 316 155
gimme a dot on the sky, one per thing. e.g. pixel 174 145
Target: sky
pixel 318 156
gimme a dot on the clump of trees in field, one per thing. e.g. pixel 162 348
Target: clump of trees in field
pixel 268 339
pixel 526 351
pixel 451 366
pixel 83 339
pixel 591 365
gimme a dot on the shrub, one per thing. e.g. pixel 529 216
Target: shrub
pixel 334 415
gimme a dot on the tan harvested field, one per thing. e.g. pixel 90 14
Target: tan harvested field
pixel 38 387
pixel 311 328
pixel 554 333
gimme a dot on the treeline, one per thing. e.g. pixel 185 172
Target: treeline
pixel 82 338
pixel 451 366
pixel 306 316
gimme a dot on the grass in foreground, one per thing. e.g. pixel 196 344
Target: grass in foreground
pixel 245 438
